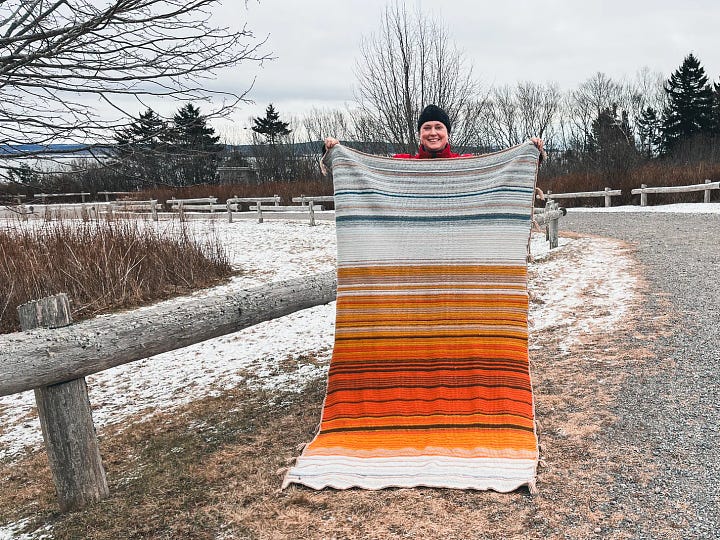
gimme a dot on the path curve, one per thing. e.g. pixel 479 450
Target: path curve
pixel 673 414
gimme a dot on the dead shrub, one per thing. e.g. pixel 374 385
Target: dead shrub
pixel 103 266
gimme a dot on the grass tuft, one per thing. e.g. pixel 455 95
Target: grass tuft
pixel 103 266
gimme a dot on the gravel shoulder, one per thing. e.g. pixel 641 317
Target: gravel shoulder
pixel 670 414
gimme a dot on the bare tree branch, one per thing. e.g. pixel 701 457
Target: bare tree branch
pixel 54 55
pixel 409 63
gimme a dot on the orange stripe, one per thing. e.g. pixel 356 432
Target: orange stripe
pixel 496 439
pixel 418 420
pixel 389 396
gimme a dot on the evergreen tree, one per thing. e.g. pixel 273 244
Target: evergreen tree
pixel 716 110
pixel 612 144
pixel 142 150
pixel 649 126
pixel 271 127
pixel 195 147
pixel 610 132
pixel 690 104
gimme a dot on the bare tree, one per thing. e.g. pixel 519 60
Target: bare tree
pixel 504 117
pixel 527 110
pixel 60 58
pixel 409 63
pixel 585 104
pixel 538 106
pixel 319 123
pixel 645 90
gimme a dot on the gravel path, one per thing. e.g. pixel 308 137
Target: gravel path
pixel 673 415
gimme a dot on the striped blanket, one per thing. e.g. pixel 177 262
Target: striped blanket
pixel 429 381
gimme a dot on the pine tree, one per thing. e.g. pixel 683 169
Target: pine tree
pixel 612 143
pixel 690 104
pixel 610 132
pixel 271 127
pixel 142 151
pixel 716 110
pixel 649 131
pixel 195 147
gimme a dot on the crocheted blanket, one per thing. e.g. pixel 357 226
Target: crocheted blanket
pixel 428 382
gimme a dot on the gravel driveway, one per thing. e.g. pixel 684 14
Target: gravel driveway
pixel 674 414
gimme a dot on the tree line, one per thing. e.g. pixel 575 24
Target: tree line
pixel 601 128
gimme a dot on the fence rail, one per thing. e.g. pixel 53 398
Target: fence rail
pixel 43 357
pixel 706 187
pixel 607 193
pixel 55 359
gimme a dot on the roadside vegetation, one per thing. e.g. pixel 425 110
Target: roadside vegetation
pixel 103 266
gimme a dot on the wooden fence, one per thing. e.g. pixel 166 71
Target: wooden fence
pixel 706 187
pixel 53 357
pixel 643 191
pixel 44 196
pixel 607 193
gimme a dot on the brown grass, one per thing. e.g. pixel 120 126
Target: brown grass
pixel 654 174
pixel 102 266
pixel 213 468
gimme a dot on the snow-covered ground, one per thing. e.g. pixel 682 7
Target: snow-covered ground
pixel 601 271
pixel 679 208
pixel 584 286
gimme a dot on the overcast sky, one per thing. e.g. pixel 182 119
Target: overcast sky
pixel 316 43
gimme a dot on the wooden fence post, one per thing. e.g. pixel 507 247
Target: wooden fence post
pixel 707 193
pixel 312 213
pixel 153 209
pixel 66 419
pixel 608 203
pixel 259 212
pixel 229 211
pixel 181 212
pixel 643 195
pixel 552 224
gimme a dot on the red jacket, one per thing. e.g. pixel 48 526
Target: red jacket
pixel 424 154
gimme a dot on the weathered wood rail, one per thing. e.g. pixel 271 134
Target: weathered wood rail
pixel 55 359
pixel 607 193
pixel 706 187
pixel 44 196
pixel 43 357
pixel 288 211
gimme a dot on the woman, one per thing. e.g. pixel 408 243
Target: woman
pixel 434 131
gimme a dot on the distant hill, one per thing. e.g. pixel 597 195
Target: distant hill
pixel 12 150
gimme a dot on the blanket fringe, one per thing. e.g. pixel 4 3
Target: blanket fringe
pixel 532 487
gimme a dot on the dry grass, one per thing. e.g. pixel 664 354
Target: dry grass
pixel 653 174
pixel 102 266
pixel 213 468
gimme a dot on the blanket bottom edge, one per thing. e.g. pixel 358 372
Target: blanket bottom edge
pixel 502 475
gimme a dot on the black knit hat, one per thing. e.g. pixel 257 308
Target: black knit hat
pixel 433 113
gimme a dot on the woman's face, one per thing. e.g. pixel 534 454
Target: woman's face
pixel 433 136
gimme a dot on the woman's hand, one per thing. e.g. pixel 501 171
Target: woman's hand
pixel 538 142
pixel 330 142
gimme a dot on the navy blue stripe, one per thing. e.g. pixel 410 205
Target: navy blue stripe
pixel 432 219
pixel 446 196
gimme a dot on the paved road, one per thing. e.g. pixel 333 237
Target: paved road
pixel 676 414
